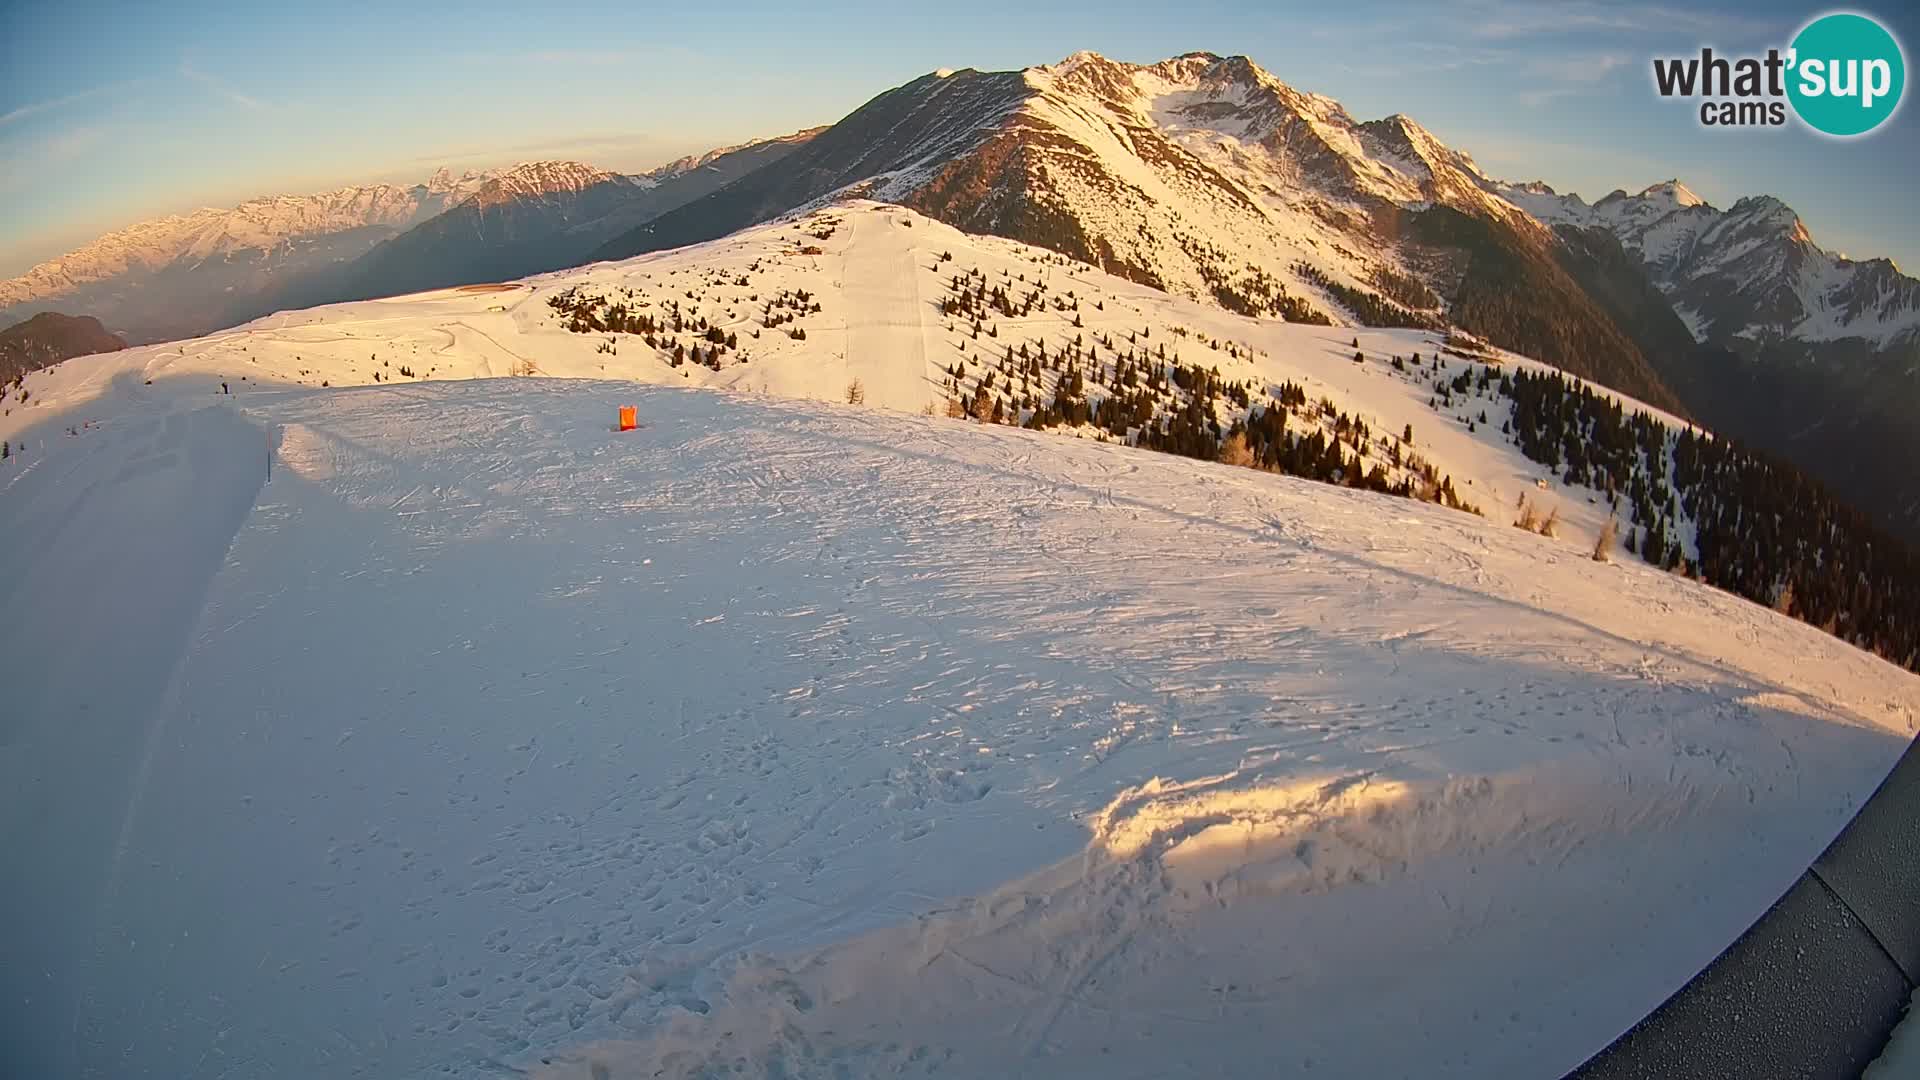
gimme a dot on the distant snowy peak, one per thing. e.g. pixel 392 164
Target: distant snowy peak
pixel 1540 201
pixel 1653 201
pixel 1617 210
pixel 454 187
pixel 257 225
pixel 1767 212
pixel 1401 134
pixel 532 179
pixel 1747 275
pixel 1673 192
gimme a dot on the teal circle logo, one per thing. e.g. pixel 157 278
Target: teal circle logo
pixel 1847 74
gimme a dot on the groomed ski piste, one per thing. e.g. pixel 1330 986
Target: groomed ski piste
pixel 785 737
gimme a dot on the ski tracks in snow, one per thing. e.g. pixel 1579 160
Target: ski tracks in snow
pixel 886 336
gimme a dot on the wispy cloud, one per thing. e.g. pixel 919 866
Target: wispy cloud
pixel 1432 56
pixel 1550 44
pixel 1589 68
pixel 224 89
pixel 1504 20
pixel 1556 77
pixel 1544 95
pixel 34 108
pixel 1503 24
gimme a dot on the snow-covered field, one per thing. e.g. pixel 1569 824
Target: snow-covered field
pixel 789 738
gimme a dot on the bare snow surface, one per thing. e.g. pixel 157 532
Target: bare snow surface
pixel 781 738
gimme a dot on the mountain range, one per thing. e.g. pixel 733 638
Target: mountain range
pixel 1201 175
pixel 527 220
pixel 184 275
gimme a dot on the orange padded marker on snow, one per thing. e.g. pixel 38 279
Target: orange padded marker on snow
pixel 629 418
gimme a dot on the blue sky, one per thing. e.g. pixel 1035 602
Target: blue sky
pixel 110 113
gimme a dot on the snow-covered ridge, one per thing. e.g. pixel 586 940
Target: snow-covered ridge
pixel 878 273
pixel 696 161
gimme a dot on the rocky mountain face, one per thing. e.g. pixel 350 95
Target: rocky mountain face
pixel 48 338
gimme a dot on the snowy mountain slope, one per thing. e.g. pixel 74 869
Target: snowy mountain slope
pixel 685 179
pixel 879 275
pixel 789 737
pixel 1201 148
pixel 896 137
pixel 708 159
pixel 1207 177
